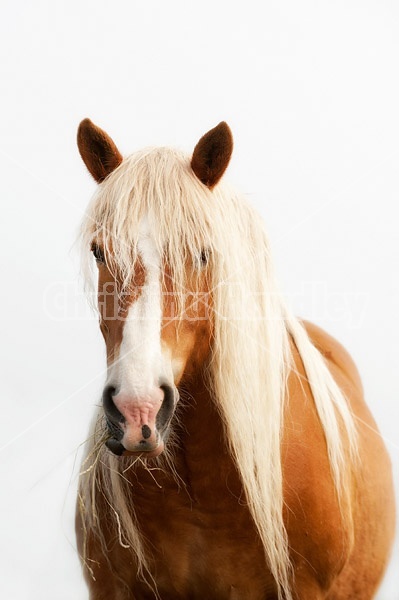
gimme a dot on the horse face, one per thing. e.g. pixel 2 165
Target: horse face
pixel 155 334
pixel 155 338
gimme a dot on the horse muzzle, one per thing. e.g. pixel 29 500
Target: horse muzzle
pixel 138 424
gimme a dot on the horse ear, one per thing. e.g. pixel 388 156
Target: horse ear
pixel 97 150
pixel 212 155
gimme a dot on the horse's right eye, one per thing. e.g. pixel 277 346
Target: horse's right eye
pixel 98 253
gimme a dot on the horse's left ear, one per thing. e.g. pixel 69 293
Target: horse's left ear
pixel 212 155
pixel 98 151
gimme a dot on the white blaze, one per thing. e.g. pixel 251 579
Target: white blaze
pixel 141 366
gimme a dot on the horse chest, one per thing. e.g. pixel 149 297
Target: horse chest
pixel 202 537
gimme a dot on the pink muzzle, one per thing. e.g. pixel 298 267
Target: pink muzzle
pixel 136 423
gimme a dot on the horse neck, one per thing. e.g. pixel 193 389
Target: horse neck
pixel 202 457
pixel 200 424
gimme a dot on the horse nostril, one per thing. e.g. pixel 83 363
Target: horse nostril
pixel 167 407
pixel 114 429
pixel 112 413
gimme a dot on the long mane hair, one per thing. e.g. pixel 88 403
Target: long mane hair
pixel 253 331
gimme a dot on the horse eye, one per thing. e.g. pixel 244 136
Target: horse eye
pixel 204 258
pixel 98 253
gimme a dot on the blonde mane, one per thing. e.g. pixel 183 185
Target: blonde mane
pixel 253 329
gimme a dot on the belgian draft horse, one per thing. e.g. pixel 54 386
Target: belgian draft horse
pixel 233 455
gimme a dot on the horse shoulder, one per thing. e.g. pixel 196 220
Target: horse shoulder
pixel 359 536
pixel 320 532
pixel 337 357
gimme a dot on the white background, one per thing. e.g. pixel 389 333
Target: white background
pixel 310 90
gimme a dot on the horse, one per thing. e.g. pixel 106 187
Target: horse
pixel 232 456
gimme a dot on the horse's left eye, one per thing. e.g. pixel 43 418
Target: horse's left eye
pixel 204 258
pixel 98 253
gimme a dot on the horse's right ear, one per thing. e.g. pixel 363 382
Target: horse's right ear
pixel 98 151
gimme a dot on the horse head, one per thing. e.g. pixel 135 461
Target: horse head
pixel 157 324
